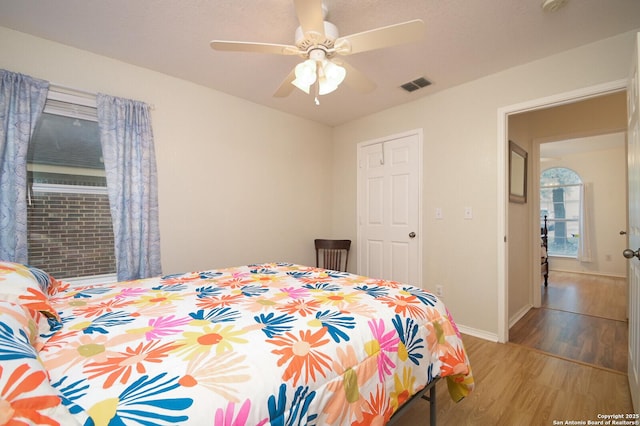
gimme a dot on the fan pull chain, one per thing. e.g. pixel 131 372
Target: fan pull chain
pixel 316 100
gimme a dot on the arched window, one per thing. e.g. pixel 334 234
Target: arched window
pixel 561 201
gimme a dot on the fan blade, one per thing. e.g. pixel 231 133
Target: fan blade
pixel 242 46
pixel 380 37
pixel 310 15
pixel 355 78
pixel 286 87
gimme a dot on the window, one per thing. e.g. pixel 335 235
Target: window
pixel 560 201
pixel 70 233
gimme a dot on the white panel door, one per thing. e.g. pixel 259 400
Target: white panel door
pixel 633 158
pixel 389 209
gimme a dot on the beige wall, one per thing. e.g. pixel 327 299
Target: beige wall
pixel 461 167
pixel 238 183
pixel 519 231
pixel 605 172
pixel 242 183
pixel 594 116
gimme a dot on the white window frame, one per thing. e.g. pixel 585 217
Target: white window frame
pixel 565 220
pixel 73 103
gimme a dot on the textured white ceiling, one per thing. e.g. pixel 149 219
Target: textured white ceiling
pixel 465 40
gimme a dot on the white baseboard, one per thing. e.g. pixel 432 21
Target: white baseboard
pixel 481 334
pixel 598 274
pixel 518 315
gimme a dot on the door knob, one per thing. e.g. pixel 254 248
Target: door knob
pixel 412 234
pixel 630 254
pixel 623 232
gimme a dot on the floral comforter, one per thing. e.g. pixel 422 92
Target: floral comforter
pixel 268 344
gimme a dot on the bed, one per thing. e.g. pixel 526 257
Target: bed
pixel 267 344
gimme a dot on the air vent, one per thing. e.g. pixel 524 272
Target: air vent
pixel 416 84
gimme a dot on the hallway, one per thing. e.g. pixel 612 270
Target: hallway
pixel 582 318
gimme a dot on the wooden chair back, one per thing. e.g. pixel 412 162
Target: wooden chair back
pixel 332 254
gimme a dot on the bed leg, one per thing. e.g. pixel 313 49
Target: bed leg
pixel 432 405
pixel 431 390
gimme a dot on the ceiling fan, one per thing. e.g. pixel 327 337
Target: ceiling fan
pixel 318 43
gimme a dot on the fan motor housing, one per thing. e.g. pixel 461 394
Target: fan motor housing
pixel 312 40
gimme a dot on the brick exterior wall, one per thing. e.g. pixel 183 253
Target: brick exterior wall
pixel 70 235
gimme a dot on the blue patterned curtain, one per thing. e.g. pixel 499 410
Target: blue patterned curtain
pixel 130 165
pixel 22 101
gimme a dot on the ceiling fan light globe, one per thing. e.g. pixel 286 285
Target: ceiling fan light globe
pixel 305 75
pixel 306 71
pixel 326 87
pixel 334 73
pixel 301 85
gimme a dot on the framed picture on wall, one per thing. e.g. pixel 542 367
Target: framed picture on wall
pixel 517 174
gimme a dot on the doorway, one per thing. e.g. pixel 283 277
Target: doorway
pixel 505 217
pixel 577 137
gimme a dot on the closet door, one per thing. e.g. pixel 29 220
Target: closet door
pixel 389 209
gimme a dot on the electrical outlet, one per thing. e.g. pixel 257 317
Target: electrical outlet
pixel 468 213
pixel 439 291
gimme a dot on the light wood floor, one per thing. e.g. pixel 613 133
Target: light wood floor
pixel 519 384
pixel 583 318
pixel 604 297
